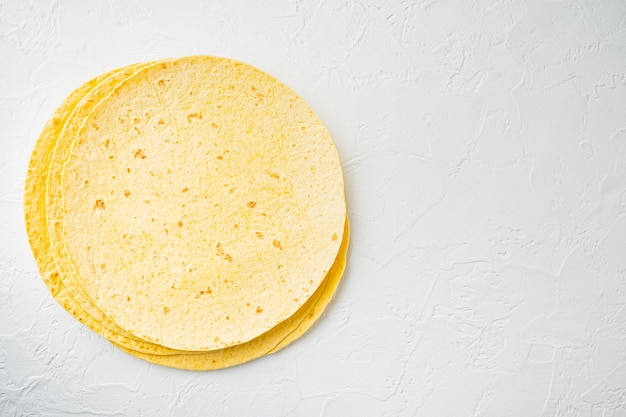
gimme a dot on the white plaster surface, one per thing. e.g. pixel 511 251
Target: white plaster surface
pixel 484 150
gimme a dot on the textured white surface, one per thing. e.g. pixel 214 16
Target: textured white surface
pixel 484 149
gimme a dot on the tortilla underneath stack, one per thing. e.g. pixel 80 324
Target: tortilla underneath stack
pixel 189 210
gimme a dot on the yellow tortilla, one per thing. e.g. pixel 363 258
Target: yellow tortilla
pixel 201 205
pixel 34 206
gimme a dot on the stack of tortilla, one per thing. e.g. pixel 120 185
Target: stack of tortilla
pixel 189 210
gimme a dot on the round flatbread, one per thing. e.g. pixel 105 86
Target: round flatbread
pixel 34 204
pixel 226 232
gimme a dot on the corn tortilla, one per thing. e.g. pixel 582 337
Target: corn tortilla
pixel 221 192
pixel 33 202
pixel 275 339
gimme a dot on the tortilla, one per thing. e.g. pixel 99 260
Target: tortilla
pixel 275 339
pixel 33 200
pixel 227 228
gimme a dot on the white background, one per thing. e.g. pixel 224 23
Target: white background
pixel 484 151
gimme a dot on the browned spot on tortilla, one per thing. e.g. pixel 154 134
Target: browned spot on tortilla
pixel 259 235
pixel 99 205
pixel 224 255
pixel 192 116
pixel 207 291
pixel 335 236
pixel 277 244
pixel 166 310
pixel 139 154
pixel 259 310
pixel 251 204
pixel 126 193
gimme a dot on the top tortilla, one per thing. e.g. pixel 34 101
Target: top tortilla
pixel 202 203
pixel 79 103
